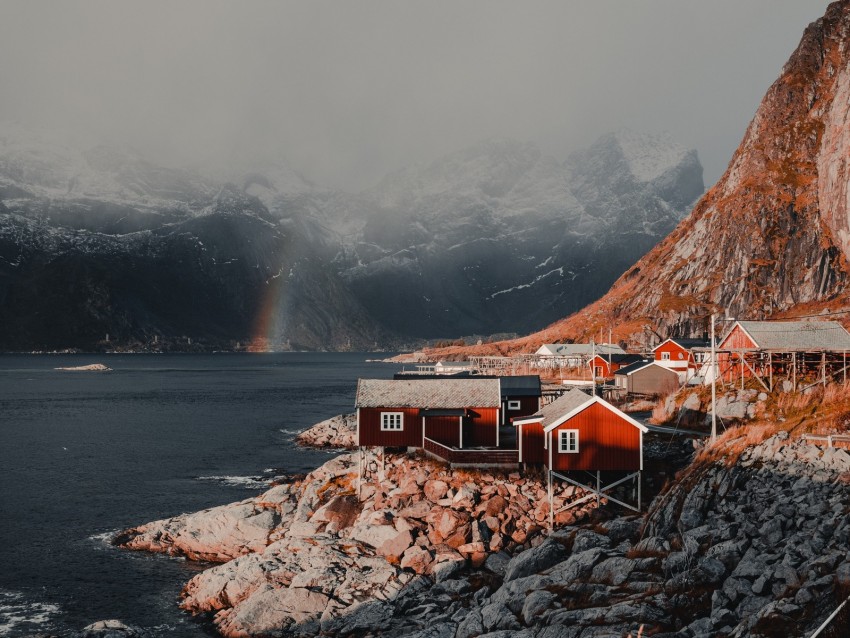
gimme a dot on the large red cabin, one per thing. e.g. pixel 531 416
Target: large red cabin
pixel 454 413
pixel 580 432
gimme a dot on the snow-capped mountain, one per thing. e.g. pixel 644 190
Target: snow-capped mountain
pixel 496 237
pixel 500 237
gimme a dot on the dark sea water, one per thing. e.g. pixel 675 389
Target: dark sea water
pixel 85 454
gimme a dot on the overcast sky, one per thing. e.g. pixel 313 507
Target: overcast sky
pixel 348 90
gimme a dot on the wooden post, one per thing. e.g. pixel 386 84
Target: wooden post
pixel 638 498
pixel 359 471
pixel 794 371
pixel 770 369
pixel 823 367
pixel 551 500
pixel 598 490
pixel 741 354
pixel 845 366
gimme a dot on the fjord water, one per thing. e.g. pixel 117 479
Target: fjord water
pixel 84 454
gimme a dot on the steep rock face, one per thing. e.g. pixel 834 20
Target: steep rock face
pixel 500 237
pixel 772 235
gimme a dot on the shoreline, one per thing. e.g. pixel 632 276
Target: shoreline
pixel 430 552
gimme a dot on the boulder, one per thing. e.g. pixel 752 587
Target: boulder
pixel 395 546
pixel 110 629
pixel 417 558
pixel 435 490
pixel 535 560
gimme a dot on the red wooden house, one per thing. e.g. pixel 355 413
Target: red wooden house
pixel 604 366
pixel 581 432
pixel 443 416
pixel 791 349
pixel 678 353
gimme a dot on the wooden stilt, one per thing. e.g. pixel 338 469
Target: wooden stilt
pixel 770 370
pixel 794 371
pixel 551 500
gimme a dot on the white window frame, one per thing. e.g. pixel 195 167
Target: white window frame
pixel 514 405
pixel 665 356
pixel 568 441
pixel 392 421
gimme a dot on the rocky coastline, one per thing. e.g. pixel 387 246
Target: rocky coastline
pixel 750 538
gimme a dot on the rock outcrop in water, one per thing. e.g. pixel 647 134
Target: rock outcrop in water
pixel 337 432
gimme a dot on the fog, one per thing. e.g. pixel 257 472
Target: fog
pixel 347 91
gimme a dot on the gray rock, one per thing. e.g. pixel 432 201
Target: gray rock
pixel 700 628
pixel 110 629
pixel 613 571
pixel 654 544
pixel 558 631
pixel 448 569
pixel 471 625
pixel 586 539
pixel 536 603
pixel 509 633
pixel 535 560
pixel 438 630
pixel 498 562
pixel 576 566
pixel 496 616
pixel 513 594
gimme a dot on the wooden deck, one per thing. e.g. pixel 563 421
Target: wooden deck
pixel 472 457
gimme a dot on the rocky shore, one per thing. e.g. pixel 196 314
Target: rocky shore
pixel 307 556
pixel 751 539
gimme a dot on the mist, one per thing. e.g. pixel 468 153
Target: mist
pixel 345 92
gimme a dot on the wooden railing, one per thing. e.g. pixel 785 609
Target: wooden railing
pixel 484 456
pixel 831 440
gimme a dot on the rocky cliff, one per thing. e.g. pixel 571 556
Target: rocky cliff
pixel 771 237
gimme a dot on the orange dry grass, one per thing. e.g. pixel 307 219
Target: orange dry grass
pixel 821 411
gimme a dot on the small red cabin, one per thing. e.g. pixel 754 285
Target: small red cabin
pixel 604 366
pixel 456 413
pixel 580 432
pixel 678 353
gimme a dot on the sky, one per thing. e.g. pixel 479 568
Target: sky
pixel 346 91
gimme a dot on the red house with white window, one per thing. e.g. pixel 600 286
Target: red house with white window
pixel 445 417
pixel 581 432
pixel 604 366
pixel 678 354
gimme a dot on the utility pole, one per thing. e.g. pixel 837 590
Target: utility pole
pixel 713 385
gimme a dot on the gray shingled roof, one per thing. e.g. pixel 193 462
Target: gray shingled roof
pixel 431 393
pixel 798 335
pixel 564 404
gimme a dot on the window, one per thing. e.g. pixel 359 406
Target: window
pixel 568 441
pixel 665 356
pixel 513 405
pixel 597 371
pixel 391 421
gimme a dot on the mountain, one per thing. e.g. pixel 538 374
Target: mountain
pixel 500 237
pixel 104 249
pixel 772 237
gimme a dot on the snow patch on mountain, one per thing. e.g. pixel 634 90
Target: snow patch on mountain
pixel 649 155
